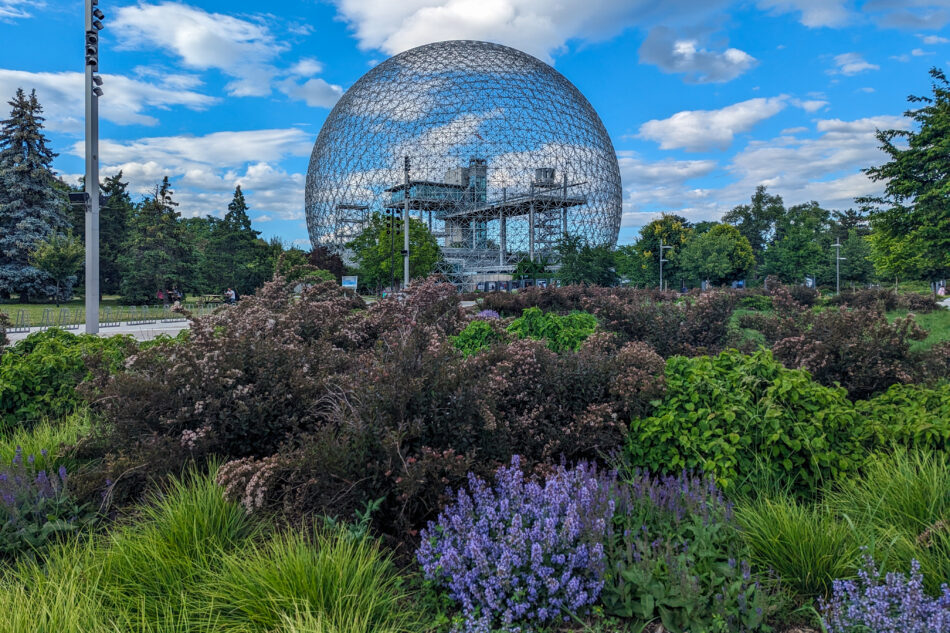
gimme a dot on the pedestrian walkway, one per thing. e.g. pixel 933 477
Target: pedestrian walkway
pixel 139 331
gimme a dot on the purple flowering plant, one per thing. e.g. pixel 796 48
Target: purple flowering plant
pixel 521 553
pixel 35 506
pixel 891 603
pixel 488 315
pixel 674 556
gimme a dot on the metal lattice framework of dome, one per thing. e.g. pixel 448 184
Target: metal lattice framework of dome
pixel 506 157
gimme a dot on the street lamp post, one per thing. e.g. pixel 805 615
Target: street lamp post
pixel 838 259
pixel 662 259
pixel 93 24
pixel 405 230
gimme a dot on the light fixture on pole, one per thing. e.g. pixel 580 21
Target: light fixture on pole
pixel 662 259
pixel 93 24
pixel 838 259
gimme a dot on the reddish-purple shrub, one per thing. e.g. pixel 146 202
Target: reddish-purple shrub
pixel 858 349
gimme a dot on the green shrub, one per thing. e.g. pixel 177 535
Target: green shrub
pixel 477 336
pixel 561 333
pixel 51 436
pixel 4 324
pixel 735 415
pixel 343 582
pixel 914 416
pixel 807 546
pixel 39 375
pixel 758 302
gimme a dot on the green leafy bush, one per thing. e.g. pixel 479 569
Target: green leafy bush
pixel 560 332
pixel 757 302
pixel 4 324
pixel 736 416
pixel 39 375
pixel 913 416
pixel 478 336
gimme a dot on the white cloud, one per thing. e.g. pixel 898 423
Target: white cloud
pixel 814 13
pixel 826 168
pixel 867 89
pixel 933 39
pixel 204 170
pixel 239 48
pixel 851 64
pixel 306 67
pixel 810 105
pixel 701 130
pixel 539 27
pixel 263 218
pixel 649 182
pixel 700 65
pixel 15 9
pixel 793 130
pixel 316 92
pixel 919 52
pixel 125 100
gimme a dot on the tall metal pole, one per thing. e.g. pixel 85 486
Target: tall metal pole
pixel 92 26
pixel 405 231
pixel 662 259
pixel 838 259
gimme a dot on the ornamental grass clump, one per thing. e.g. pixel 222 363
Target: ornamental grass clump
pixel 521 553
pixel 876 603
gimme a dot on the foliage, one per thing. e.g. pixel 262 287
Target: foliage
pixel 913 416
pixel 876 603
pixel 720 255
pixel 343 581
pixel 156 256
pixel 639 263
pixel 858 349
pixel 39 375
pixel 911 235
pixel 5 323
pixel 806 545
pixel 36 508
pixel 560 332
pixel 377 251
pixel 582 263
pixel 61 257
pixel 675 556
pixel 901 505
pixel 478 335
pixel 527 269
pixel 733 415
pixel 757 220
pixel 325 259
pixel 48 441
pixel 801 245
pixel 521 552
pixel 31 205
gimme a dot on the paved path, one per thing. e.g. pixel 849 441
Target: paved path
pixel 139 332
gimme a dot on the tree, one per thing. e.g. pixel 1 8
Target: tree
pixel 378 251
pixel 720 255
pixel 61 257
pixel 156 255
pixel 912 218
pixel 856 267
pixel 324 259
pixel 639 264
pixel 582 263
pixel 32 207
pixel 757 220
pixel 237 255
pixel 114 216
pixel 801 245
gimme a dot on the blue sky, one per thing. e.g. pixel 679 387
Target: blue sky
pixel 703 99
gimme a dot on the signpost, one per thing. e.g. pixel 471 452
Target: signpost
pixel 349 282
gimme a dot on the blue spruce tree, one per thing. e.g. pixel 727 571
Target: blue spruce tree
pixel 31 207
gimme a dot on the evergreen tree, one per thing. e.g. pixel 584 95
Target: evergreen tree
pixel 240 249
pixel 155 256
pixel 32 207
pixel 114 216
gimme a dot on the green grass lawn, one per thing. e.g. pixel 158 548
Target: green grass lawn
pixel 937 324
pixel 35 310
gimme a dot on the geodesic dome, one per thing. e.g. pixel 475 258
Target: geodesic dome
pixel 505 156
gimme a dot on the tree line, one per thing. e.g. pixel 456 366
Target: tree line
pixel 146 247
